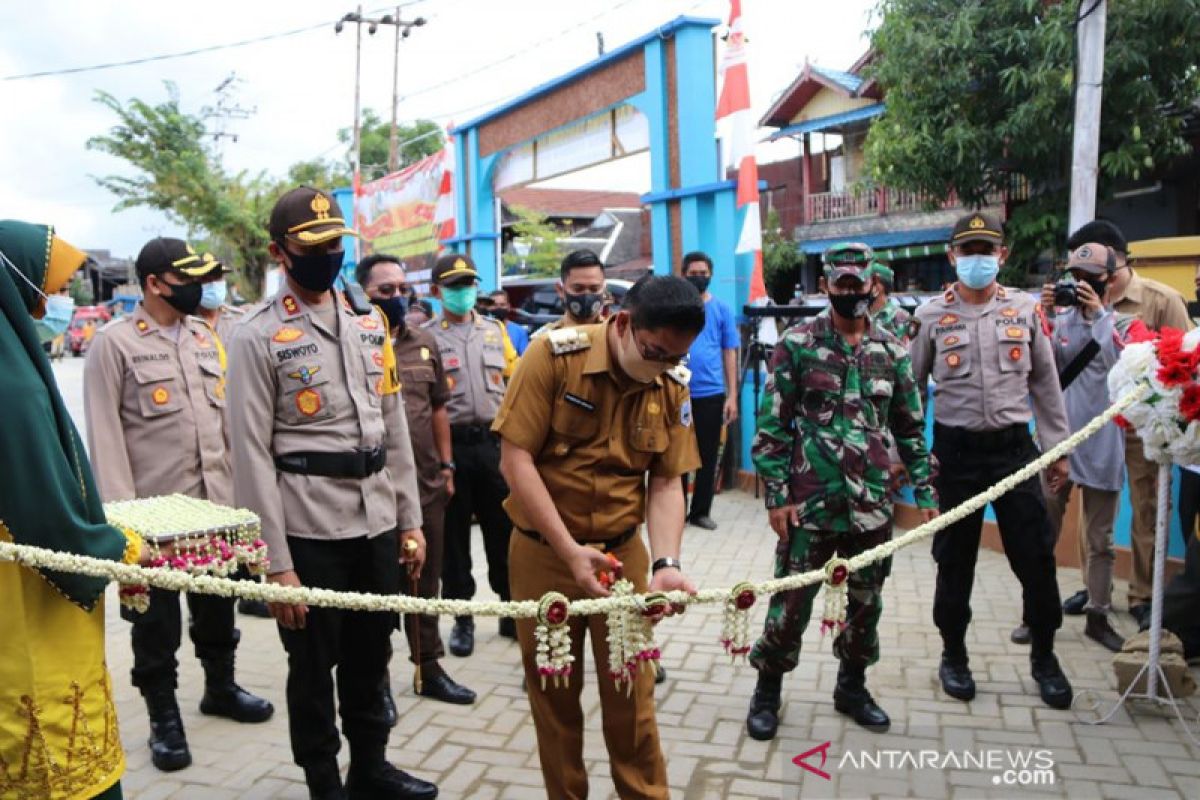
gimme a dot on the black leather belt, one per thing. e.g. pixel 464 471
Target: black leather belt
pixel 359 463
pixel 604 545
pixel 470 434
pixel 981 440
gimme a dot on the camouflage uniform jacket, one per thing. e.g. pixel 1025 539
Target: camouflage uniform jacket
pixel 893 319
pixel 827 420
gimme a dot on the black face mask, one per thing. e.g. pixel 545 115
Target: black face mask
pixel 851 306
pixel 585 305
pixel 394 308
pixel 184 298
pixel 497 313
pixel 699 281
pixel 1098 287
pixel 317 271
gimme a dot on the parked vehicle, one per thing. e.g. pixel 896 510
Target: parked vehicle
pixel 83 327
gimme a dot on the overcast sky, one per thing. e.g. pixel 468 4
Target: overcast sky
pixel 302 86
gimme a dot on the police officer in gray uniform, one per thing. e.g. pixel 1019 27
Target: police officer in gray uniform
pixel 477 357
pixel 989 352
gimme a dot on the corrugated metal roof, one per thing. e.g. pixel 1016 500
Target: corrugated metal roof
pixel 846 80
pixel 829 122
pixel 880 241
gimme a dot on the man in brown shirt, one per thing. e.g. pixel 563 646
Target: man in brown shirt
pixel 423 385
pixel 1158 306
pixel 321 454
pixel 154 396
pixel 591 412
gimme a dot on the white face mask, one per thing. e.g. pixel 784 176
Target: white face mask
pixel 59 309
pixel 212 295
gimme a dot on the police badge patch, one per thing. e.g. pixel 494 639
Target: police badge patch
pixel 685 414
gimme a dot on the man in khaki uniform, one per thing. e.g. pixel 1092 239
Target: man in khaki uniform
pixel 321 454
pixel 154 395
pixel 583 289
pixel 477 357
pixel 591 412
pixel 423 385
pixel 988 350
pixel 1158 306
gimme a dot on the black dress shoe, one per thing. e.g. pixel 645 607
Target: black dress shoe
pixel 324 781
pixel 763 720
pixel 437 685
pixel 390 714
pixel 168 744
pixel 1141 612
pixel 508 627
pixel 706 522
pixel 1052 683
pixel 384 782
pixel 1099 628
pixel 661 675
pixel 462 638
pixel 956 679
pixel 1020 635
pixel 852 698
pixel 224 698
pixel 253 608
pixel 1076 603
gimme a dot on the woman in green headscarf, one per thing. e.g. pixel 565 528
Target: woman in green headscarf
pixel 58 725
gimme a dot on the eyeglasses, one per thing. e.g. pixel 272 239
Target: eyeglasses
pixel 652 353
pixel 392 290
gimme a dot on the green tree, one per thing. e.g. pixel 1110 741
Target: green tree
pixel 781 261
pixel 979 96
pixel 534 230
pixel 322 174
pixel 417 139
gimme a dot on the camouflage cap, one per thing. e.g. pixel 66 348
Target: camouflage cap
pixel 849 258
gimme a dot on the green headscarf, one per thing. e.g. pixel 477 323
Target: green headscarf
pixel 48 497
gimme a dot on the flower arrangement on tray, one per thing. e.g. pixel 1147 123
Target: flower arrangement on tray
pixel 1168 416
pixel 190 535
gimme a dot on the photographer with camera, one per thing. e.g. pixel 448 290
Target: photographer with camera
pixel 1088 336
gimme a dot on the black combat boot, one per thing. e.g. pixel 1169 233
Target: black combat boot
pixel 371 777
pixel 1099 628
pixel 763 720
pixel 1053 685
pixel 224 698
pixel 852 698
pixel 324 781
pixel 462 637
pixel 168 744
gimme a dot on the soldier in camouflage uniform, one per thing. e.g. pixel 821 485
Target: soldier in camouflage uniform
pixel 840 391
pixel 886 312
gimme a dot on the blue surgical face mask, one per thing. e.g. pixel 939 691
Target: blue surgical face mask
pixel 459 299
pixel 978 271
pixel 212 295
pixel 59 311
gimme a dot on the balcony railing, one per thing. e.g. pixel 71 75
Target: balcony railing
pixel 857 203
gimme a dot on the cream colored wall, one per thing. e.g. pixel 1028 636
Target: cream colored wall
pixel 827 103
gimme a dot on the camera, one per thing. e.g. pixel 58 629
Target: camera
pixel 1066 292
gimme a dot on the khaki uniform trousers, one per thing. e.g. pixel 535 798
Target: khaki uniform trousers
pixel 630 730
pixel 1097 513
pixel 1143 496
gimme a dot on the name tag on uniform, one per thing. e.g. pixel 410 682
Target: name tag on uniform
pixel 451 361
pixel 579 401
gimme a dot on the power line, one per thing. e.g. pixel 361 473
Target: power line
pixel 185 53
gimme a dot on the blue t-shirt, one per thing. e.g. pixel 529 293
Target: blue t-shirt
pixel 705 357
pixel 518 336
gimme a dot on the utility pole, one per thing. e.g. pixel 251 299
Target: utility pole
pixel 226 109
pixel 402 31
pixel 1089 84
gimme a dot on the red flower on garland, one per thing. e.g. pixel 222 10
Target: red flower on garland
pixel 1175 366
pixel 1122 423
pixel 1189 404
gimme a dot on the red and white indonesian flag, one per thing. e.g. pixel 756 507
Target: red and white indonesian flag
pixel 443 213
pixel 734 116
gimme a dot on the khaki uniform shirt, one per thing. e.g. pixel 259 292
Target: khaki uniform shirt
pixel 155 410
pixel 295 385
pixel 1157 305
pixel 423 384
pixel 475 360
pixel 565 321
pixel 988 360
pixel 594 433
pixel 226 320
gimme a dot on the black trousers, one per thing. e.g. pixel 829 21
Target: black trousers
pixel 967 469
pixel 479 491
pixel 355 643
pixel 157 634
pixel 1189 505
pixel 707 415
pixel 1181 600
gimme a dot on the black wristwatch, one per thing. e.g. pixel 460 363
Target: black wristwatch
pixel 666 563
pixel 447 465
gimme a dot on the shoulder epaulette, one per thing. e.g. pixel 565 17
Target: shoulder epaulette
pixel 568 340
pixel 680 374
